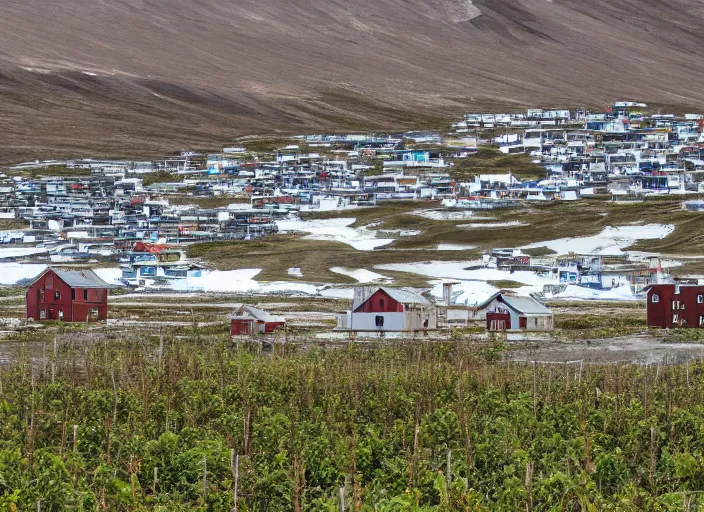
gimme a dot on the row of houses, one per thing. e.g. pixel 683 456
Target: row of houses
pixel 623 151
pixel 80 295
pixel 71 295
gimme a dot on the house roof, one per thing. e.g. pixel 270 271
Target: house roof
pixel 85 278
pixel 405 295
pixel 526 305
pixel 402 295
pixel 245 312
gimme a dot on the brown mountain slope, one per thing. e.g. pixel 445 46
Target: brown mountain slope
pixel 99 76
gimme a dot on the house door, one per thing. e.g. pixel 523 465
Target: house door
pixel 498 321
pixel 522 323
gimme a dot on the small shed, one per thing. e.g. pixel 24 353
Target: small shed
pixel 68 296
pixel 509 312
pixel 248 321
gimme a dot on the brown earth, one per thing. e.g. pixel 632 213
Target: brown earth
pixel 143 77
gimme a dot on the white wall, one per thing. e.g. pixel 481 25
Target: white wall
pixel 367 322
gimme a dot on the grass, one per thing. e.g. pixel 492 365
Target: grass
pixel 206 202
pixel 695 336
pixel 547 221
pixel 539 251
pixel 50 170
pixel 488 160
pixel 13 224
pixel 505 284
pixel 599 323
pixel 265 144
pixel 160 177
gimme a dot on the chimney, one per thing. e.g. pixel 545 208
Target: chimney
pixel 447 292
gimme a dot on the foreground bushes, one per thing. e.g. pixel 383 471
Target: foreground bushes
pixel 136 426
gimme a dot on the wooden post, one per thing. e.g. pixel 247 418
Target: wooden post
pixel 161 345
pixel 235 465
pixel 687 367
pixel 342 499
pixel 535 386
pixel 448 470
pixel 75 434
pixel 156 473
pixel 205 479
pixel 114 393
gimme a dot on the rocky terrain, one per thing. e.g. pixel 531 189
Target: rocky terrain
pixel 92 76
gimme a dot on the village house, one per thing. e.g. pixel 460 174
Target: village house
pixel 68 296
pixel 248 321
pixel 386 309
pixel 675 306
pixel 508 312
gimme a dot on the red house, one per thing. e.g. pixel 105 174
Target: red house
pixel 68 295
pixel 248 321
pixel 675 306
pixel 387 309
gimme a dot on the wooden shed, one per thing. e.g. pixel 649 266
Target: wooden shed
pixel 247 321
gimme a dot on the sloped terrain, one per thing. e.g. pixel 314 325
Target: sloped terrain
pixel 102 76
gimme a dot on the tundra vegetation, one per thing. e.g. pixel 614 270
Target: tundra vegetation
pixel 200 423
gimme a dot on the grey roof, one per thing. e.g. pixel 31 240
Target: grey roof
pixel 244 311
pixel 80 278
pixel 526 305
pixel 405 295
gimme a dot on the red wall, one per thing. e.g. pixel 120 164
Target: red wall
pixel 675 309
pixel 74 310
pixel 97 299
pixel 244 327
pixel 498 317
pixel 374 304
pixel 240 327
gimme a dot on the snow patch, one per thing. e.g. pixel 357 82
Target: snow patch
pixel 361 275
pixel 456 247
pixel 611 241
pixel 335 230
pixel 445 214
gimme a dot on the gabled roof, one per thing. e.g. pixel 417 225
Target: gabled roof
pixel 85 278
pixel 245 312
pixel 400 295
pixel 526 305
pixel 405 295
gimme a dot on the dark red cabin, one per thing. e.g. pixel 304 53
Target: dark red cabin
pixel 68 295
pixel 675 306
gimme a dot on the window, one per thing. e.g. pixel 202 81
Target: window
pixel 61 314
pixel 381 304
pixel 700 299
pixel 42 298
pixel 42 314
pixel 73 294
pixel 655 298
pixel 57 295
pixel 379 321
pixel 85 294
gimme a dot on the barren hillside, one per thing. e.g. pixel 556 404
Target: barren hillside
pixel 145 76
